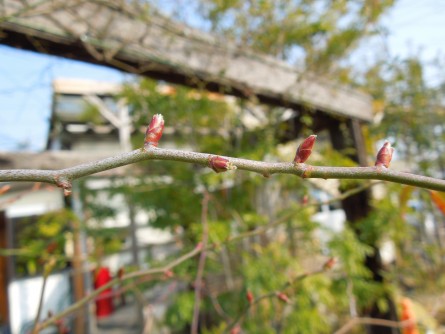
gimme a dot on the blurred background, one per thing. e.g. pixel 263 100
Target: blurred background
pixel 80 81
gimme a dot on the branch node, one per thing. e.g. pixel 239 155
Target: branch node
pixel 64 183
pixel 283 297
pixel 307 170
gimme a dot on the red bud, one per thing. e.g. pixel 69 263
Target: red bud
pixel 220 164
pixel 305 149
pixel 385 155
pixel 283 297
pixel 154 131
pixel 236 330
pixel 330 263
pixel 169 273
pixel 249 296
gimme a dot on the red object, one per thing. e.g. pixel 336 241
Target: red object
pixel 329 264
pixel 384 155
pixel 236 330
pixel 283 297
pixel 305 149
pixel 104 302
pixel 409 317
pixel 220 164
pixel 154 131
pixel 250 297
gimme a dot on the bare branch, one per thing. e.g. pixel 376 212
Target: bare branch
pixel 64 177
pixel 47 270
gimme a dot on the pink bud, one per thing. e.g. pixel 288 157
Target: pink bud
pixel 220 164
pixel 330 263
pixel 305 149
pixel 236 330
pixel 385 155
pixel 283 297
pixel 169 273
pixel 154 131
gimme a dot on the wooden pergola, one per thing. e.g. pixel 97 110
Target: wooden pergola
pixel 123 35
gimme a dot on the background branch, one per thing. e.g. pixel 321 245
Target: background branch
pixel 201 263
pixel 135 274
pixel 46 273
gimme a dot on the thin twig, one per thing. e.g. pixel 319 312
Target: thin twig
pixel 17 196
pixel 64 177
pixel 289 215
pixel 218 308
pixel 201 264
pixel 372 321
pixel 135 274
pixel 271 294
pixel 46 273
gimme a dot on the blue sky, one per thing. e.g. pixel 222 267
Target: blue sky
pixel 415 27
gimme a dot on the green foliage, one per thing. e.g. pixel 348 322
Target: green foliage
pixel 413 113
pixel 323 33
pixel 41 239
pixel 180 314
pixel 91 114
pixel 351 252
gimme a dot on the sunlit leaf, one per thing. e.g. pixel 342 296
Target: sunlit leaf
pixel 439 200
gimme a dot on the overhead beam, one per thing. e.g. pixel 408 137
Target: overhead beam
pixel 130 37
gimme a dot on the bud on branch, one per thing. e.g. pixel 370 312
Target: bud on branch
pixel 220 164
pixel 154 131
pixel 236 330
pixel 283 297
pixel 168 274
pixel 330 263
pixel 250 297
pixel 385 155
pixel 305 149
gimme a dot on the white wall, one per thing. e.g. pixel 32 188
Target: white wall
pixel 24 295
pixel 34 203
